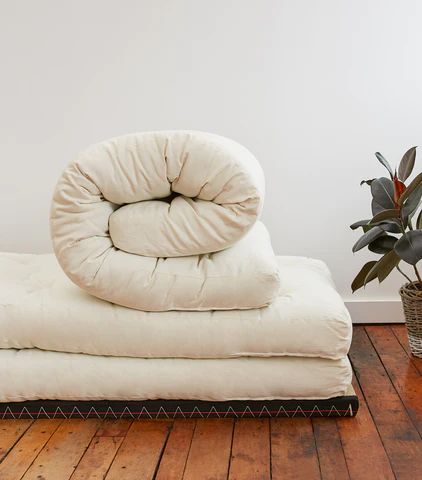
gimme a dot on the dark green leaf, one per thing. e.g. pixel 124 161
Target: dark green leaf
pixel 382 190
pixel 359 223
pixel 409 247
pixel 386 264
pixel 406 164
pixel 371 275
pixel 376 208
pixel 412 202
pixel 386 215
pixel 360 277
pixel 390 226
pixel 382 244
pixel 367 238
pixel 413 185
pixel 384 162
pixel 367 227
pixel 368 182
pixel 383 267
pixel 419 221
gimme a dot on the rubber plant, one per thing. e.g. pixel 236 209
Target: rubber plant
pixel 392 232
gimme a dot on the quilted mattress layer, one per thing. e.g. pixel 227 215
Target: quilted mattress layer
pixel 165 220
pixel 41 308
pixel 35 374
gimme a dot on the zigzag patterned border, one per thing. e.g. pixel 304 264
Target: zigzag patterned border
pixel 346 406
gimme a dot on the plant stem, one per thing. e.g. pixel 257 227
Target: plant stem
pixel 404 275
pixel 417 274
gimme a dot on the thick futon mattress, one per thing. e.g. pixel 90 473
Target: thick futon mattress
pixel 58 342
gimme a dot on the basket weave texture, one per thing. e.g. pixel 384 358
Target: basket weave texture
pixel 411 295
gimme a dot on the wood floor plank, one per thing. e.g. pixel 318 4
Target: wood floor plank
pixel 98 458
pixel 27 448
pixel 10 432
pixel 59 457
pixel 332 463
pixel 401 370
pixel 251 451
pixel 401 334
pixel 114 428
pixel 173 461
pixel 293 449
pixel 362 445
pixel 400 438
pixel 140 452
pixel 209 455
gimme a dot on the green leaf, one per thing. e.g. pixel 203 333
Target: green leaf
pixel 390 226
pixel 371 275
pixel 359 223
pixel 419 221
pixel 412 202
pixel 382 244
pixel 382 190
pixel 368 182
pixel 409 247
pixel 367 238
pixel 384 162
pixel 385 265
pixel 406 164
pixel 386 215
pixel 359 280
pixel 413 185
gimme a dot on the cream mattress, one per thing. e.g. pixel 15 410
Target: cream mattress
pixel 40 307
pixel 35 374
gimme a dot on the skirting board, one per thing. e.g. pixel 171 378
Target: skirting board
pixel 378 311
pixel 346 406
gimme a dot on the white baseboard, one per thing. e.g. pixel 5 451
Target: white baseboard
pixel 378 311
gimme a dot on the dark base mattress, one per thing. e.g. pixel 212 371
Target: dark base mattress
pixel 346 406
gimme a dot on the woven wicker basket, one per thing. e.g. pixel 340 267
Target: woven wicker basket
pixel 411 296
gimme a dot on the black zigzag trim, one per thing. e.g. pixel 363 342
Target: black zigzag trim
pixel 345 406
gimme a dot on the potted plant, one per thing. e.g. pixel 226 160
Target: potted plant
pixel 393 233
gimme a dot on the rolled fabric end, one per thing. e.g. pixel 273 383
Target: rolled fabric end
pixel 165 221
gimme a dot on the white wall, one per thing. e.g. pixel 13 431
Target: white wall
pixel 313 88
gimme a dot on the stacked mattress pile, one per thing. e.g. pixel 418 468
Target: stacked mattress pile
pixel 173 302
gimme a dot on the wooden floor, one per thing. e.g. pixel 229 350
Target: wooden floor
pixel 382 442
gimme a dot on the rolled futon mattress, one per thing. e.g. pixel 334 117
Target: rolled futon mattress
pixel 58 342
pixel 163 221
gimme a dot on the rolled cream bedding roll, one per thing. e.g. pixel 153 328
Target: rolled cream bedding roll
pixel 166 220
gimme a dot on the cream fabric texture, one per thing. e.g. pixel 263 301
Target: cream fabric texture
pixel 41 308
pixel 35 374
pixel 165 221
